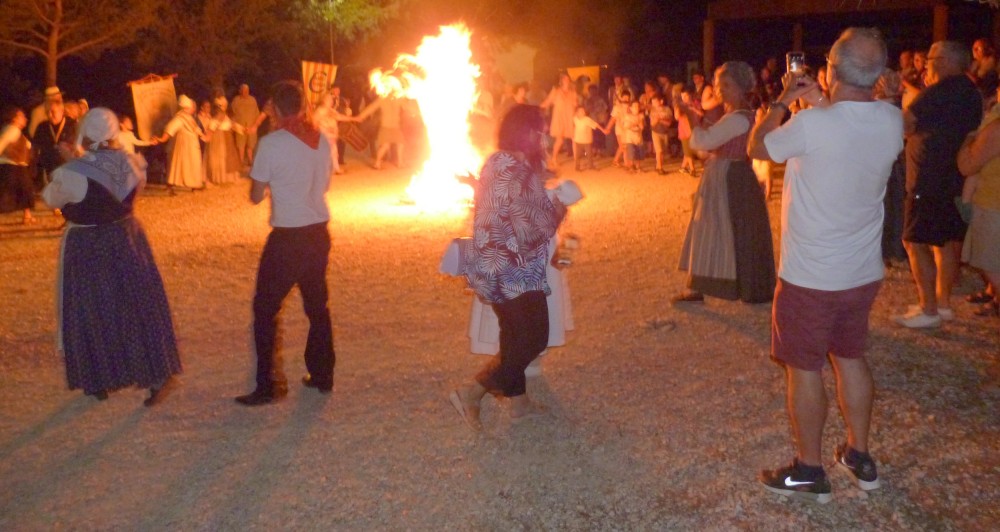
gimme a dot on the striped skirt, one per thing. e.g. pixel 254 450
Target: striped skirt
pixel 727 251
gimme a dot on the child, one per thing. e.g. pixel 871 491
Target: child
pixel 632 124
pixel 661 118
pixel 618 114
pixel 583 138
pixel 127 138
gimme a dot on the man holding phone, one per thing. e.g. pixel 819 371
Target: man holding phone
pixel 839 159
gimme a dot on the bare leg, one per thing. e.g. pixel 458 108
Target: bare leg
pixel 471 396
pixel 521 406
pixel 855 393
pixel 947 263
pixel 807 413
pixel 924 274
pixel 382 150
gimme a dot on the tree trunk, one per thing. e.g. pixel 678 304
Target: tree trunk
pixel 52 58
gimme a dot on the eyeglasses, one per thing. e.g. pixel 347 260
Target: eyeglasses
pixel 829 60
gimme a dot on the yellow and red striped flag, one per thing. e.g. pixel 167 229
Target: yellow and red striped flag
pixel 317 78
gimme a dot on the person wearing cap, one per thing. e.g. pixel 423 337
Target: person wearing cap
pixel 40 112
pixel 115 328
pixel 186 168
pixel 54 142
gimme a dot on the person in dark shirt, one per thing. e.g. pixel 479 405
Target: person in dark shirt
pixel 54 142
pixel 936 124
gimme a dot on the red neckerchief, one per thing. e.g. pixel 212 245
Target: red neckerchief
pixel 302 129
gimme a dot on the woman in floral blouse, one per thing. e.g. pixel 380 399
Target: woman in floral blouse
pixel 505 265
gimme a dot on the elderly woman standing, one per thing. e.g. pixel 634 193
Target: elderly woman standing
pixel 727 251
pixel 115 328
pixel 505 264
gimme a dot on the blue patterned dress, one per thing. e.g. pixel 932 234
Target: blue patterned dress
pixel 115 324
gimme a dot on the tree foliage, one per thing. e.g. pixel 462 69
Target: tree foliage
pixel 208 41
pixel 54 29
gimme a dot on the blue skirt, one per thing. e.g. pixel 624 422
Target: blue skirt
pixel 116 329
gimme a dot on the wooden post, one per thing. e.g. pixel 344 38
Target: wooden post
pixel 940 22
pixel 708 46
pixel 797 36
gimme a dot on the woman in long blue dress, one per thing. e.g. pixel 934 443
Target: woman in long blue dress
pixel 115 328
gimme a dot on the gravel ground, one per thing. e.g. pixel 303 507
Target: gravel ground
pixel 659 418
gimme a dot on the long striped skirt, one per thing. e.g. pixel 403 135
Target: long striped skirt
pixel 115 325
pixel 727 251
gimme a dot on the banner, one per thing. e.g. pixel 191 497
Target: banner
pixel 593 72
pixel 317 78
pixel 155 102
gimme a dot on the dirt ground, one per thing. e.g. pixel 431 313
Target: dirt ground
pixel 659 417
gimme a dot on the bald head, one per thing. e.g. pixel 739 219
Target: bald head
pixel 859 57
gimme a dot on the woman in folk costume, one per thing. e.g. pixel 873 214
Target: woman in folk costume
pixel 186 166
pixel 222 161
pixel 115 328
pixel 727 252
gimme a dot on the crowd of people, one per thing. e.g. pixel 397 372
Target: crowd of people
pixel 869 151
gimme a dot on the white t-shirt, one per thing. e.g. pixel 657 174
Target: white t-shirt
pixel 583 129
pixel 839 160
pixel 298 177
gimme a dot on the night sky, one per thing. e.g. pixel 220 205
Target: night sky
pixel 639 37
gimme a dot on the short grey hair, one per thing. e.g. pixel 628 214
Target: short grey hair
pixel 859 56
pixel 955 53
pixel 740 73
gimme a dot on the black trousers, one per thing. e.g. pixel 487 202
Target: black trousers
pixel 524 334
pixel 293 256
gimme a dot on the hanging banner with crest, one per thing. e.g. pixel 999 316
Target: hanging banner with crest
pixel 155 101
pixel 317 78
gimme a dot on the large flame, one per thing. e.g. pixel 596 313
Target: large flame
pixel 441 77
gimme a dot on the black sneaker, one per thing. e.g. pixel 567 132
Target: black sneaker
pixel 794 481
pixel 860 466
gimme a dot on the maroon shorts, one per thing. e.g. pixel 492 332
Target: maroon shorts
pixel 807 324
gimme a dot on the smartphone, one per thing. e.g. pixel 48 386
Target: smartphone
pixel 795 62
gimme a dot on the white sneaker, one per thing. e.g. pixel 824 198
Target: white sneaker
pixel 917 320
pixel 946 313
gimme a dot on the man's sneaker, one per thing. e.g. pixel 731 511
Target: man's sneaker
pixel 916 319
pixel 798 481
pixel 860 466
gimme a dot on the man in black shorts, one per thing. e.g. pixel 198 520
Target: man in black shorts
pixel 936 124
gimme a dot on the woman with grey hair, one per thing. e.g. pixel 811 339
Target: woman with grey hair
pixel 114 328
pixel 727 252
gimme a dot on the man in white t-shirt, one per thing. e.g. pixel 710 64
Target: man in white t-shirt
pixel 292 166
pixel 839 156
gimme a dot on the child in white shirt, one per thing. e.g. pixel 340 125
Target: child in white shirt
pixel 583 138
pixel 127 138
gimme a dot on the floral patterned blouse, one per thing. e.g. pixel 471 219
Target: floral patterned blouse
pixel 513 223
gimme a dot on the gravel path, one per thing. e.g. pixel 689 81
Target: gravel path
pixel 659 418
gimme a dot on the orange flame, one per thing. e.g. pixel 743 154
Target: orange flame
pixel 441 77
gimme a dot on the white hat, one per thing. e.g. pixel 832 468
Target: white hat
pixel 184 102
pixel 52 92
pixel 99 125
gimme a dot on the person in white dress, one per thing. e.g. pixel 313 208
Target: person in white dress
pixel 186 169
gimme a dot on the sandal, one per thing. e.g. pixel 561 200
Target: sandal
pixel 979 297
pixel 988 310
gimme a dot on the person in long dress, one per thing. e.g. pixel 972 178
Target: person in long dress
pixel 727 251
pixel 16 189
pixel 186 168
pixel 563 100
pixel 115 328
pixel 505 265
pixel 222 160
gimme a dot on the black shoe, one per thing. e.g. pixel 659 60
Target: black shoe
pixel 794 481
pixel 158 393
pixel 101 395
pixel 687 297
pixel 262 396
pixel 860 466
pixel 308 382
